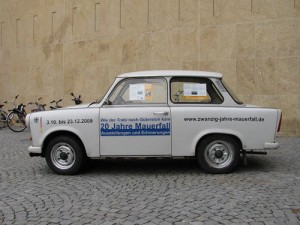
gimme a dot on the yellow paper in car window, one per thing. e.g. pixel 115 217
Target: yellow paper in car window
pixel 136 92
pixel 148 92
pixel 192 91
pixel 198 98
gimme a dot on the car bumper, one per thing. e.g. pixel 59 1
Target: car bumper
pixel 35 150
pixel 274 145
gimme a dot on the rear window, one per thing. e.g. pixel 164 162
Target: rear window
pixel 194 90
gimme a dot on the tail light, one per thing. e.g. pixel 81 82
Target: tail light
pixel 279 124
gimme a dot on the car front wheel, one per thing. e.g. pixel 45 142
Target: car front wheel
pixel 65 155
pixel 218 154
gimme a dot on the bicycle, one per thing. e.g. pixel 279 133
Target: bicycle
pixel 57 106
pixel 38 106
pixel 4 114
pixel 16 119
pixel 3 117
pixel 77 100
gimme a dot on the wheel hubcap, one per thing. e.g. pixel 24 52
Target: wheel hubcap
pixel 219 154
pixel 63 156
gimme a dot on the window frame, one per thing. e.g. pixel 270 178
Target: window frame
pixel 142 104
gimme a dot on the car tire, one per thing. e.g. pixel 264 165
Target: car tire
pixel 65 155
pixel 218 154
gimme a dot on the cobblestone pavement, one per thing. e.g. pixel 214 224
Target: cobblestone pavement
pixel 162 192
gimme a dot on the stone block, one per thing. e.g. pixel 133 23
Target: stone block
pixel 173 46
pixel 134 16
pixel 272 9
pixel 49 72
pixel 19 8
pixel 245 77
pixel 223 11
pixel 49 26
pixel 79 20
pixel 163 14
pixel 288 37
pixel 159 47
pixel 248 11
pixel 217 12
pixel 206 12
pixel 168 14
pixel 286 76
pixel 218 43
pixel 87 53
pixel 266 40
pixel 130 49
pixel 245 38
pixel 278 39
pixel 114 17
pixel 23 31
pixel 135 49
pixel 265 76
pixel 102 19
pixel 188 13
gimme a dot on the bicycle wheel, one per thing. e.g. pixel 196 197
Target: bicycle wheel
pixel 3 122
pixel 16 121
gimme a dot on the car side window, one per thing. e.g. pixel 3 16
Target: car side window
pixel 136 91
pixel 194 90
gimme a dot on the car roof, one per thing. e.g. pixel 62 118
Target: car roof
pixel 171 73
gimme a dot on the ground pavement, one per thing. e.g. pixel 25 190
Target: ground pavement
pixel 162 192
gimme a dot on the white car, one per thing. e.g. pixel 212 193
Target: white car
pixel 156 114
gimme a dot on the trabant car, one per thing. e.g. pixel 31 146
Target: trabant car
pixel 156 114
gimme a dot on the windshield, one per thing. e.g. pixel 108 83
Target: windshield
pixel 232 94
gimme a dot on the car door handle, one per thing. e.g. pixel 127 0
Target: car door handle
pixel 161 113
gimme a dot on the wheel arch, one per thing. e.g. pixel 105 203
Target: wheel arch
pixel 61 133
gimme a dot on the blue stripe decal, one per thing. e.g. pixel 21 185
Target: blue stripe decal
pixel 134 132
pixel 126 128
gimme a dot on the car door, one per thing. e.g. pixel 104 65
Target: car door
pixel 136 120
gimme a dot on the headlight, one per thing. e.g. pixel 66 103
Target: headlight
pixel 28 121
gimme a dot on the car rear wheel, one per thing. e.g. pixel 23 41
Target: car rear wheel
pixel 65 155
pixel 218 154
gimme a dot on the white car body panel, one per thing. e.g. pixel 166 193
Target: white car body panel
pixel 254 126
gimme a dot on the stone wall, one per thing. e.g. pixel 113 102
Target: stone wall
pixel 49 48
